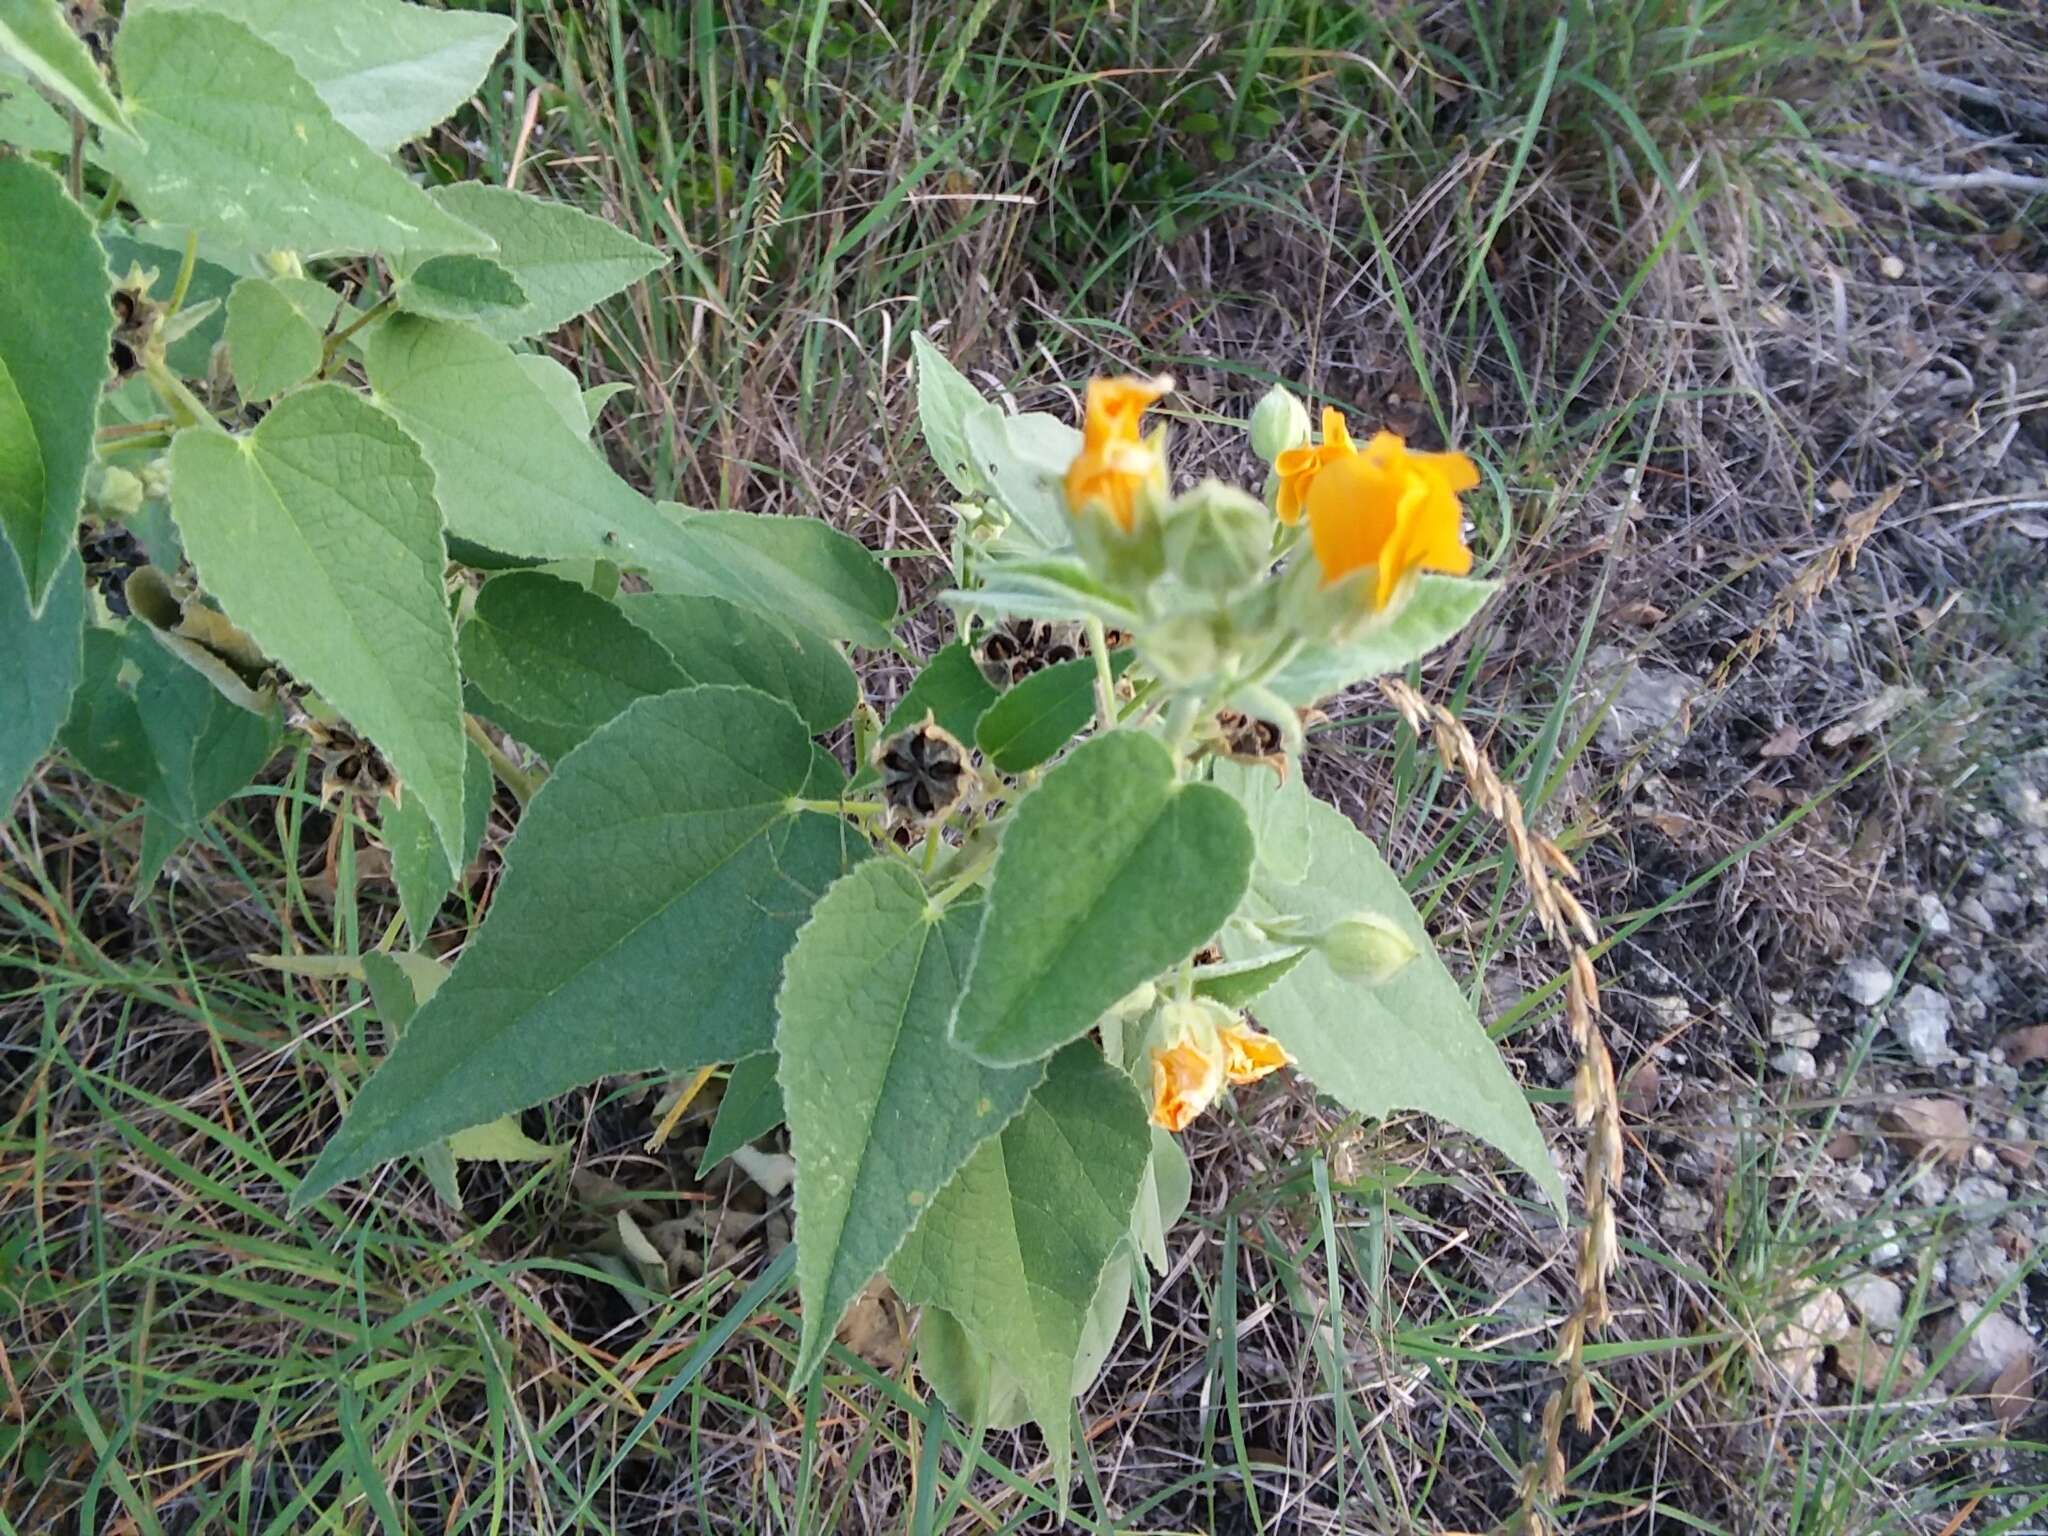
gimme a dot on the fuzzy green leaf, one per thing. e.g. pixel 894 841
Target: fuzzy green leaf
pixel 715 641
pixel 272 347
pixel 945 400
pixel 1111 871
pixel 388 72
pixel 565 260
pixel 29 122
pixel 1411 1042
pixel 419 865
pixel 239 144
pixel 750 1109
pixel 319 532
pixel 655 884
pixel 1436 610
pixel 144 722
pixel 558 657
pixel 883 1109
pixel 43 656
pixel 1277 808
pixel 1034 720
pixel 35 33
pixel 55 325
pixel 460 288
pixel 795 568
pixel 1015 1247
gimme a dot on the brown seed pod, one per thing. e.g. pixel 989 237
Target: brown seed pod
pixel 1016 648
pixel 924 772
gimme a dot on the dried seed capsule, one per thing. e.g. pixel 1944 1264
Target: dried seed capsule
pixel 923 771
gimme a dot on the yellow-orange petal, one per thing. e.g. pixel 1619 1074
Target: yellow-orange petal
pixel 1336 432
pixel 1185 1081
pixel 1390 509
pixel 1249 1055
pixel 1113 407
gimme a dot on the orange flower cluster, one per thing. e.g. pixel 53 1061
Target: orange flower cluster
pixel 1190 1072
pixel 1379 506
pixel 1117 463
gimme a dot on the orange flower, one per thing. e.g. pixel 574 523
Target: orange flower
pixel 1297 468
pixel 1116 462
pixel 1386 507
pixel 1249 1055
pixel 1185 1081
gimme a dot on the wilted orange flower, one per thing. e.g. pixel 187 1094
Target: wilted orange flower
pixel 1116 462
pixel 1386 507
pixel 1297 467
pixel 1185 1081
pixel 1249 1055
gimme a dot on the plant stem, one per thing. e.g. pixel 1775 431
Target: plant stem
pixel 840 807
pixel 510 774
pixel 1105 679
pixel 185 270
pixel 333 344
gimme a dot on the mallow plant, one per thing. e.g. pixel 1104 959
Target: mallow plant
pixel 281 460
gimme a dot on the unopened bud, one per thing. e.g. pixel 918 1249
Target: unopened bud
pixel 114 492
pixel 1217 538
pixel 1365 947
pixel 1279 422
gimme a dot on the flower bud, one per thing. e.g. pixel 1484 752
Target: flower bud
pixel 1279 422
pixel 1365 947
pixel 1217 538
pixel 114 492
pixel 1183 650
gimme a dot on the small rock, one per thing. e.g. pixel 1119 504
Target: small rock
pixel 1980 1198
pixel 1860 1185
pixel 1796 1064
pixel 1990 1350
pixel 1921 1021
pixel 1684 1213
pixel 1934 916
pixel 1975 913
pixel 1930 1127
pixel 1881 1303
pixel 1843 1145
pixel 1821 1320
pixel 2024 1047
pixel 1639 1089
pixel 1892 268
pixel 1791 1028
pixel 1864 1363
pixel 1890 1251
pixel 1865 980
pixel 1649 700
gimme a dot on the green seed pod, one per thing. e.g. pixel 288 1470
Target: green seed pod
pixel 1217 538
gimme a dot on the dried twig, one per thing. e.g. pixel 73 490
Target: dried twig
pixel 1990 179
pixel 1596 1104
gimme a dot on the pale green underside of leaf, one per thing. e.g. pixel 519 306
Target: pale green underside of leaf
pixel 565 260
pixel 1110 872
pixel 35 33
pixel 239 144
pixel 555 655
pixel 387 71
pixel 715 641
pixel 144 722
pixel 1277 809
pixel 883 1108
pixel 29 122
pixel 655 884
pixel 516 478
pixel 1438 608
pixel 272 347
pixel 43 655
pixel 54 328
pixel 1015 1246
pixel 320 534
pixel 1409 1043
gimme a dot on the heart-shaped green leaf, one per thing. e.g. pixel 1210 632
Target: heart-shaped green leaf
pixel 883 1108
pixel 655 885
pixel 1111 871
